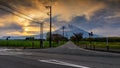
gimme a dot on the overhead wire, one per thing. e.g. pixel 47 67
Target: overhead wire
pixel 25 16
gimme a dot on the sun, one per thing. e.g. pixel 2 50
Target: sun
pixel 26 29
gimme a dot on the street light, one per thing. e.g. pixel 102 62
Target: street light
pixel 50 14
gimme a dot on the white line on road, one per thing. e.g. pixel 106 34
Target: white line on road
pixel 13 52
pixel 62 63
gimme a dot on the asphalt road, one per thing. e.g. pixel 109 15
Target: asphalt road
pixel 43 60
pixel 30 58
pixel 15 62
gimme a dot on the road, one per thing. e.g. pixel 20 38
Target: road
pixel 15 62
pixel 17 58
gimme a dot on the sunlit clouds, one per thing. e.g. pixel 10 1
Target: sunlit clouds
pixel 70 8
pixel 21 16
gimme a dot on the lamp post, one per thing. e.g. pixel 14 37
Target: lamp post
pixel 50 14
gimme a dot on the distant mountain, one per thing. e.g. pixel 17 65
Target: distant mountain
pixel 24 37
pixel 69 31
pixel 13 37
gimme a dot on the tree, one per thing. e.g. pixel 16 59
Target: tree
pixel 7 37
pixel 90 37
pixel 48 36
pixel 29 38
pixel 57 37
pixel 77 36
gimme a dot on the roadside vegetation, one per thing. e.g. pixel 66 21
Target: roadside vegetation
pixel 27 43
pixel 100 43
pixel 31 42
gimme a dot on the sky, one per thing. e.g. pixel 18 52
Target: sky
pixel 19 17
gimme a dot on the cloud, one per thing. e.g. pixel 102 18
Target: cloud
pixel 106 31
pixel 86 14
pixel 12 26
pixel 116 15
pixel 98 23
pixel 70 8
pixel 66 9
pixel 17 33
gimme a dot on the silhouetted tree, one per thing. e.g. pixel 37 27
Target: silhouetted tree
pixel 29 38
pixel 57 38
pixel 90 37
pixel 7 37
pixel 77 36
pixel 48 36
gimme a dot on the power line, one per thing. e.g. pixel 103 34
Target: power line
pixel 15 14
pixel 9 7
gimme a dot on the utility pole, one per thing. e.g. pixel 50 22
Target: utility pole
pixel 63 30
pixel 41 35
pixel 50 26
pixel 107 46
pixel 50 14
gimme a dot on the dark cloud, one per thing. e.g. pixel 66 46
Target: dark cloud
pixel 4 7
pixel 3 13
pixel 5 3
pixel 26 3
pixel 12 27
pixel 113 3
pixel 98 20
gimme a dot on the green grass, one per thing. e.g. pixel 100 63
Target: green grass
pixel 27 43
pixel 112 45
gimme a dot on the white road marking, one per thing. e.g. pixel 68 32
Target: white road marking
pixel 5 49
pixel 13 52
pixel 62 63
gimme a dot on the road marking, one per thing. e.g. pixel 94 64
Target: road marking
pixel 13 52
pixel 62 63
pixel 5 49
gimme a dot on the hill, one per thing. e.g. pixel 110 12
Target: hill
pixel 69 31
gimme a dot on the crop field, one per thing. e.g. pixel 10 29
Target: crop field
pixel 112 45
pixel 27 43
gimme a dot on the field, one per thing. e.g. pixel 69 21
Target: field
pixel 27 43
pixel 36 44
pixel 99 45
